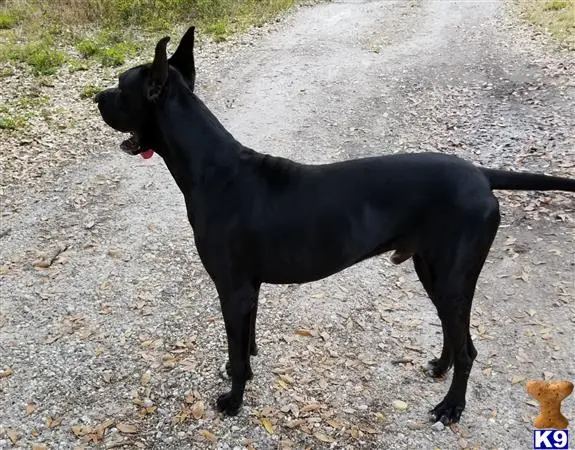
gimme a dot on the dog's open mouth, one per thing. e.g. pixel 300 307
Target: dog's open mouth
pixel 132 147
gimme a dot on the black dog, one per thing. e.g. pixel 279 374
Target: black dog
pixel 261 219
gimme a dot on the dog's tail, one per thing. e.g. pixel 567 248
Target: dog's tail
pixel 518 181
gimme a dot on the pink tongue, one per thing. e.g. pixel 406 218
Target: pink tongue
pixel 147 154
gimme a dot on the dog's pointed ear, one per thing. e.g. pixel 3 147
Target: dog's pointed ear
pixel 158 74
pixel 183 57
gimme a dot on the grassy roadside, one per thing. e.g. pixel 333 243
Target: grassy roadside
pixel 555 16
pixel 46 35
pixel 40 39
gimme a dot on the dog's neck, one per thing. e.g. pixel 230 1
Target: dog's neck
pixel 202 148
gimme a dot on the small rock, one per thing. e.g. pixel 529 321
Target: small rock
pixel 400 405
pixel 438 426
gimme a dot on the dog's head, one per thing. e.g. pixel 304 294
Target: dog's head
pixel 130 107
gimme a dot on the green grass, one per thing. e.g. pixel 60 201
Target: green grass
pixel 556 5
pixel 33 101
pixel 47 35
pixel 76 65
pixel 90 91
pixel 43 58
pixel 41 55
pixel 7 20
pixel 109 49
pixel 219 30
pixel 151 15
pixel 555 16
pixel 88 48
pixel 16 113
pixel 10 120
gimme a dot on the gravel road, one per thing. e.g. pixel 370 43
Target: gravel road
pixel 110 330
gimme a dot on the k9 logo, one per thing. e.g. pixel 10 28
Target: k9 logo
pixel 550 439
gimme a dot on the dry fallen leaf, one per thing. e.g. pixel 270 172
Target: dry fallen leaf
pixel 517 379
pixel 305 333
pixel 146 377
pixel 524 276
pixel 198 410
pixel 267 425
pixel 182 416
pixel 13 435
pixel 169 361
pixel 31 407
pixel 53 422
pixel 39 447
pixel 188 364
pixel 310 407
pixel 207 435
pixel 46 260
pixel 380 416
pixel 324 438
pixel 367 429
pixel 286 378
pixel 282 384
pixel 293 423
pixel 285 445
pixel 147 410
pixel 98 433
pixel 80 430
pixel 106 424
pixel 334 423
pixel 5 373
pixel 126 428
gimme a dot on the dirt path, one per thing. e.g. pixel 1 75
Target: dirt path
pixel 125 324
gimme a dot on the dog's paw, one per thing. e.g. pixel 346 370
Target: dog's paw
pixel 254 349
pixel 447 412
pixel 228 405
pixel 436 368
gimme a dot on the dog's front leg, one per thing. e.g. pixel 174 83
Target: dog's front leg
pixel 238 310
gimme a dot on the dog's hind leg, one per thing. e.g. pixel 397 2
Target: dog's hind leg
pixel 253 345
pixel 437 367
pixel 456 268
pixel 237 309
